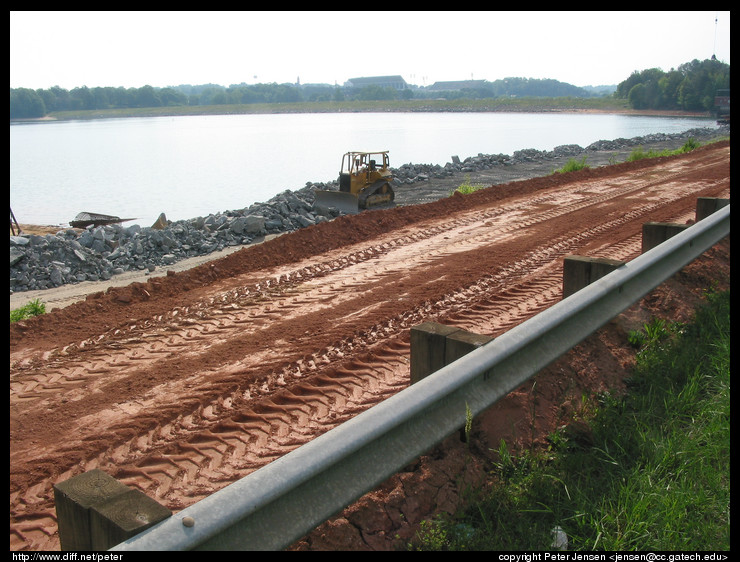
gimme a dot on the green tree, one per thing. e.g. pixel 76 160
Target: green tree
pixel 374 92
pixel 220 98
pixel 26 104
pixel 49 99
pixel 637 96
pixel 101 98
pixel 82 98
pixel 285 93
pixel 61 97
pixel 624 87
pixel 245 94
pixel 147 96
pixel 170 97
pixel 121 97
pixel 692 86
pixel 668 86
pixel 406 94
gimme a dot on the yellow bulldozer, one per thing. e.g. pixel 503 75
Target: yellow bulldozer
pixel 364 183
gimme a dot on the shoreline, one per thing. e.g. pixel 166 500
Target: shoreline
pixel 409 194
pixel 42 229
pixel 246 110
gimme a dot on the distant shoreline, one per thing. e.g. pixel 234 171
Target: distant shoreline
pixel 567 105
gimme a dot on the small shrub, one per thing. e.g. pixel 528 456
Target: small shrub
pixel 689 145
pixel 637 154
pixel 653 333
pixel 33 308
pixel 572 165
pixel 466 187
pixel 640 154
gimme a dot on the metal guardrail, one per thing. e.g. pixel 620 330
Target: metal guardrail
pixel 281 502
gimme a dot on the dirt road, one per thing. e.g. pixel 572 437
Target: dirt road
pixel 185 383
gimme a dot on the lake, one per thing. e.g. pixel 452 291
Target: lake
pixel 192 166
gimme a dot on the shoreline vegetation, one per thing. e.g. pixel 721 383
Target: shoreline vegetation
pixel 511 105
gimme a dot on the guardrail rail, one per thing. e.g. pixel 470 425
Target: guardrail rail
pixel 278 504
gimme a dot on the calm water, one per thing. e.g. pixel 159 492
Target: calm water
pixel 193 166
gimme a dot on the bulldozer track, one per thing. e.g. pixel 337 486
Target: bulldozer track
pixel 193 430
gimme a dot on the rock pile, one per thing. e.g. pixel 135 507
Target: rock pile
pixel 42 262
pixel 99 253
pixel 410 173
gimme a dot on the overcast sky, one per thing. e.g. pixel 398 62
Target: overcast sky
pixel 133 49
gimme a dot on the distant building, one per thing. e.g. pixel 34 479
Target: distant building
pixel 457 85
pixel 395 82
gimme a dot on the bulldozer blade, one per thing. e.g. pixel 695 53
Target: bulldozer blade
pixel 341 200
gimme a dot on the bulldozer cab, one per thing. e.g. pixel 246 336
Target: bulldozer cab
pixel 360 169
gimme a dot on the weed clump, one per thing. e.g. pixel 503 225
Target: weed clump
pixel 33 308
pixel 572 165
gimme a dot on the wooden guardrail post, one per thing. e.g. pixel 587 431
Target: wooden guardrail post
pixel 123 517
pixel 579 271
pixel 435 345
pixel 705 206
pixel 428 343
pixel 74 498
pixel 95 511
pixel 462 342
pixel 654 233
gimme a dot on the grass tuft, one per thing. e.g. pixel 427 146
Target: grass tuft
pixel 572 165
pixel 640 154
pixel 467 187
pixel 33 308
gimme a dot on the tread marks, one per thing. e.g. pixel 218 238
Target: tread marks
pixel 235 427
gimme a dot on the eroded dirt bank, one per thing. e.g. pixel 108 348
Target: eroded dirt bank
pixel 187 382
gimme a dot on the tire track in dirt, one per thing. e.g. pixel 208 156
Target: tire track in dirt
pixel 201 325
pixel 238 415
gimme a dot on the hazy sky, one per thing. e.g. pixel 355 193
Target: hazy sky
pixel 133 49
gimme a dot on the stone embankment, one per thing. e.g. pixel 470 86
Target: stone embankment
pixel 70 256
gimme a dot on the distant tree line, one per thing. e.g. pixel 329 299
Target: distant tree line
pixel 691 87
pixel 515 87
pixel 25 103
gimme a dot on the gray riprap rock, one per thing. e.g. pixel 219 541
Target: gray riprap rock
pixel 16 255
pixel 254 224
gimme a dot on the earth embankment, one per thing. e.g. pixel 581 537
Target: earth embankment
pixel 184 383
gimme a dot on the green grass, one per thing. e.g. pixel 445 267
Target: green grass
pixel 572 165
pixel 467 187
pixel 33 308
pixel 640 154
pixel 653 473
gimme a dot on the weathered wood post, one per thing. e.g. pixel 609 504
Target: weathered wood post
pixel 74 498
pixel 655 233
pixel 95 511
pixel 705 206
pixel 435 345
pixel 579 271
pixel 428 343
pixel 123 517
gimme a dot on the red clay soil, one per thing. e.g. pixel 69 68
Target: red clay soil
pixel 188 382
